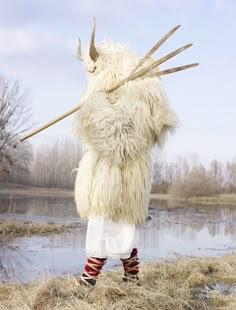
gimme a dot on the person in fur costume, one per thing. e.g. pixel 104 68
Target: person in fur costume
pixel 119 129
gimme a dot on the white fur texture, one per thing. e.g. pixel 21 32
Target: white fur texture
pixel 119 130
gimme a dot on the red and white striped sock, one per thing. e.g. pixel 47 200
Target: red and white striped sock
pixel 92 269
pixel 131 266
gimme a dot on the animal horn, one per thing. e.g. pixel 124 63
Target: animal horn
pixel 93 53
pixel 79 56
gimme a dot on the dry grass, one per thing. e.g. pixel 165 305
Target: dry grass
pixel 222 199
pixel 12 229
pixel 185 283
pixel 157 196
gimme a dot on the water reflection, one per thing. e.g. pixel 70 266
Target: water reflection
pixel 173 230
pixel 34 208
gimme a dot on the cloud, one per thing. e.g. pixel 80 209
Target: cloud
pixel 23 39
pixel 15 12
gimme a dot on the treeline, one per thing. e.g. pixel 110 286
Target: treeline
pixel 184 178
pixel 46 166
pixel 49 165
pixel 52 165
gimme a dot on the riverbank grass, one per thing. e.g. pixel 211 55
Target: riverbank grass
pixel 11 228
pixel 180 284
pixel 221 199
pixel 14 191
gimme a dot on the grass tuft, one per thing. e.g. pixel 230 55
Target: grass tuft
pixel 12 229
pixel 180 284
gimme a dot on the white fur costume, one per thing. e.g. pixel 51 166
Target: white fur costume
pixel 119 129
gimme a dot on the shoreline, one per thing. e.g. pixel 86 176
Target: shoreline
pixel 221 199
pixel 21 191
pixel 11 191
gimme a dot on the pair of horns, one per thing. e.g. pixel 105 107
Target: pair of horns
pixel 93 53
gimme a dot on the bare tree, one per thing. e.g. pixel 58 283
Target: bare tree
pixel 54 163
pixel 231 176
pixel 15 118
pixel 217 172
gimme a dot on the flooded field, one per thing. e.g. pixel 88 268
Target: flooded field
pixel 172 230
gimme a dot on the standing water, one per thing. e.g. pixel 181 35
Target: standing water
pixel 172 230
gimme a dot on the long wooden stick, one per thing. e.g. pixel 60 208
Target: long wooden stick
pixel 52 122
pixel 143 71
pixel 172 70
pixel 77 107
pixel 131 77
pixel 155 47
pixel 59 118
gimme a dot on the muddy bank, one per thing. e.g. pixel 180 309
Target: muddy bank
pixel 180 284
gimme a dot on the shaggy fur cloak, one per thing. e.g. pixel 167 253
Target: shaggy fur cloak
pixel 119 129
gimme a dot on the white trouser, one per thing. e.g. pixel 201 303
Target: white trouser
pixel 108 239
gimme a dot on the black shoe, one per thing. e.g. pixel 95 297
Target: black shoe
pixel 86 280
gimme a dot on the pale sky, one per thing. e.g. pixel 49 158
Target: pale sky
pixel 38 41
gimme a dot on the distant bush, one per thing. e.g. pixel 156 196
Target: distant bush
pixel 194 183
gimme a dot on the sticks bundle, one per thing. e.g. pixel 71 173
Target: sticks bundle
pixel 132 76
